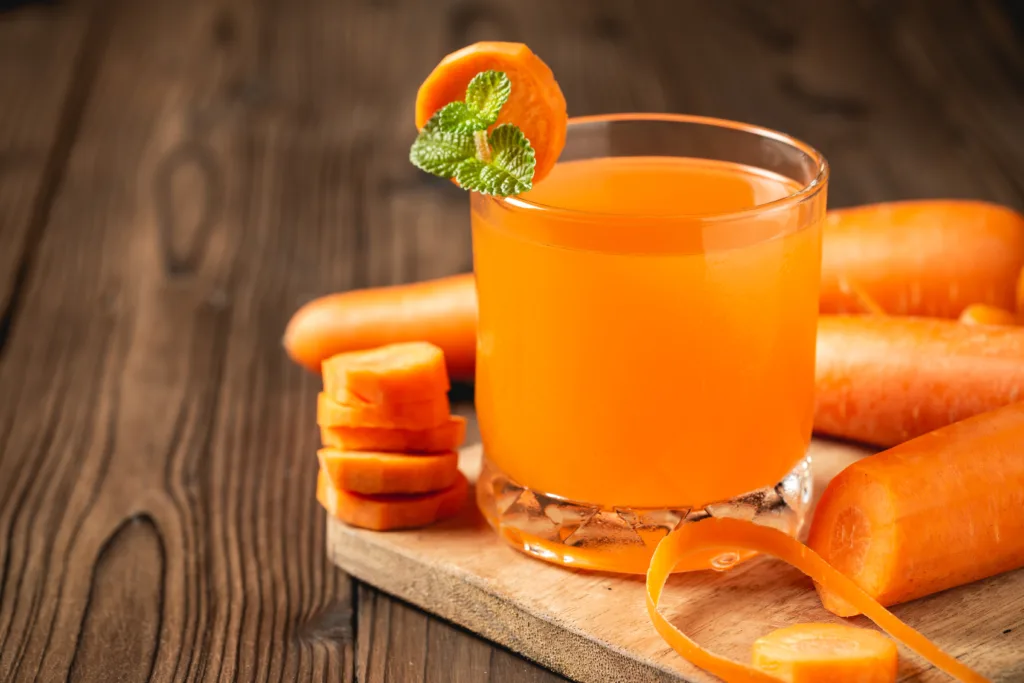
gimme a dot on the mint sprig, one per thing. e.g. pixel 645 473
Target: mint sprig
pixel 455 142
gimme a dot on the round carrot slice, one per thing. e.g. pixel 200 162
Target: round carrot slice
pixel 805 653
pixel 373 473
pixel 536 104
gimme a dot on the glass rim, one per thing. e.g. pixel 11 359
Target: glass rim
pixel 806 190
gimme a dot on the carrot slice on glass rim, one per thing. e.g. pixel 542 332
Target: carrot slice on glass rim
pixel 730 535
pixel 536 104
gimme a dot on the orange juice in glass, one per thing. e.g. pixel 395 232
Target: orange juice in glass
pixel 645 352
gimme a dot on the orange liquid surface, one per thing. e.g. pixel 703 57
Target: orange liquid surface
pixel 645 357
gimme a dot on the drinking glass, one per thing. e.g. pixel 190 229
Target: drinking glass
pixel 646 339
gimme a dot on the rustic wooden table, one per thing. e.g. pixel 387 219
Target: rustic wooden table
pixel 177 176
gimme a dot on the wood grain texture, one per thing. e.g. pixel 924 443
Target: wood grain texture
pixel 177 176
pixel 48 61
pixel 155 516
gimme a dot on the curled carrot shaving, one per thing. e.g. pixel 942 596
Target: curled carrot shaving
pixel 729 535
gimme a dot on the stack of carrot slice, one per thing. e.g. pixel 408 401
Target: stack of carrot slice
pixel 389 439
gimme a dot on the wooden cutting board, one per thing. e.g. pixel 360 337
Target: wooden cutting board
pixel 593 627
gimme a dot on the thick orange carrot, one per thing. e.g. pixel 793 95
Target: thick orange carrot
pixel 447 436
pixel 983 314
pixel 396 373
pixel 412 415
pixel 391 511
pixel 1020 293
pixel 884 380
pixel 442 312
pixel 929 258
pixel 536 104
pixel 814 653
pixel 863 300
pixel 731 535
pixel 940 511
pixel 373 473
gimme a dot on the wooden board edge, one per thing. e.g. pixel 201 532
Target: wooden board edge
pixel 467 601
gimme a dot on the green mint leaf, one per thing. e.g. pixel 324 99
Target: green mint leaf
pixel 440 152
pixel 459 117
pixel 487 94
pixel 513 152
pixel 510 169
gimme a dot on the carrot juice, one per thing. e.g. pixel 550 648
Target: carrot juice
pixel 646 339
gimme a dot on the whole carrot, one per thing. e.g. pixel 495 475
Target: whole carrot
pixel 884 380
pixel 928 258
pixel 940 511
pixel 441 311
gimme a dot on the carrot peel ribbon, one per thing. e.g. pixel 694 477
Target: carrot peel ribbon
pixel 729 535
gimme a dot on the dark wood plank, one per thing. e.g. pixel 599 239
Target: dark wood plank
pixel 156 452
pixel 850 79
pixel 46 64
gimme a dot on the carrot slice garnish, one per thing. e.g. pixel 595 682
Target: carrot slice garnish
pixel 536 104
pixel 731 535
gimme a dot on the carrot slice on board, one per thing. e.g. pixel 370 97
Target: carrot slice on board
pixel 391 511
pixel 983 314
pixel 812 653
pixel 939 511
pixel 536 104
pixel 373 473
pixel 447 436
pixel 395 373
pixel 412 415
pixel 731 535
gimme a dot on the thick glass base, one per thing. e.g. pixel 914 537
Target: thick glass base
pixel 622 539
